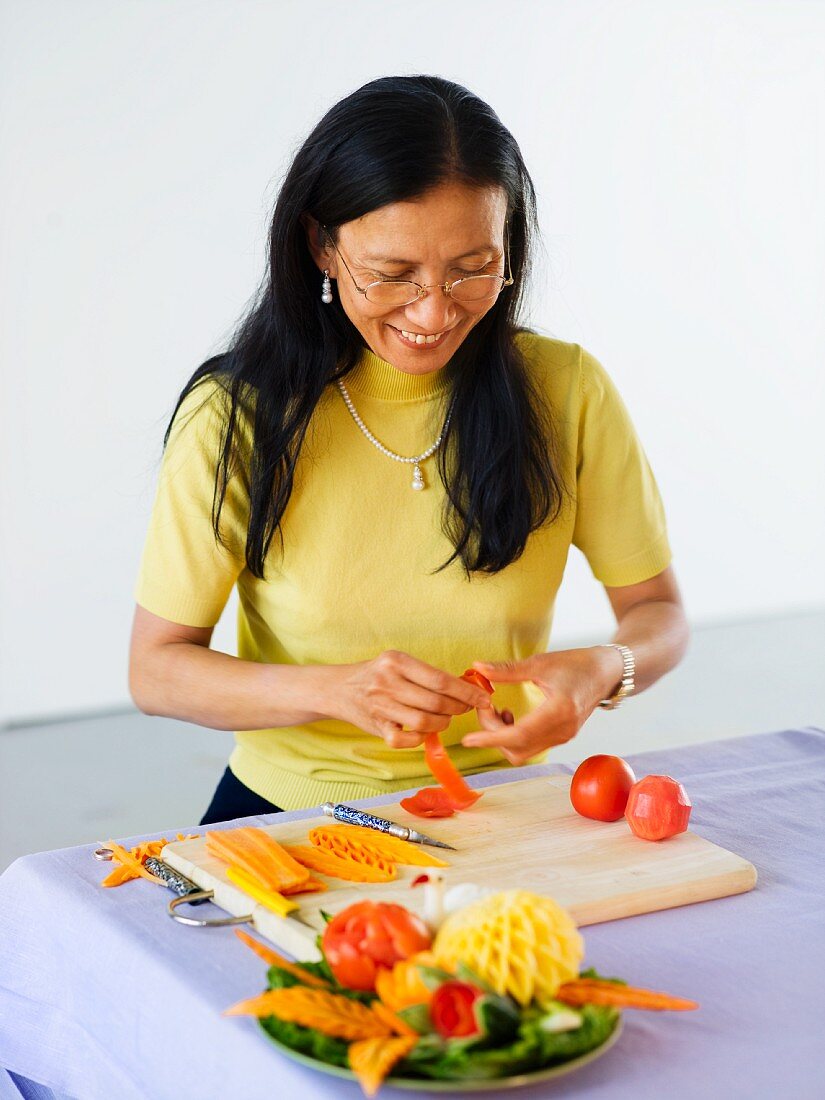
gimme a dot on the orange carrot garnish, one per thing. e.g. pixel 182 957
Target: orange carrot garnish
pixel 131 862
pixel 331 1013
pixel 368 847
pixel 387 1016
pixel 327 863
pixel 592 991
pixel 259 854
pixel 372 1060
pixel 272 958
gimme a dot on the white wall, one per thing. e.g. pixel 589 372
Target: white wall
pixel 678 150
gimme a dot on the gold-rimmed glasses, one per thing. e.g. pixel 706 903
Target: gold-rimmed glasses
pixel 469 289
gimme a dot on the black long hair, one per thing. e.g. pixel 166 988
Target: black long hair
pixel 392 140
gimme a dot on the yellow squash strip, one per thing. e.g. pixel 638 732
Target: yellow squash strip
pixel 272 958
pixel 330 1013
pixel 270 899
pixel 325 863
pixel 372 1059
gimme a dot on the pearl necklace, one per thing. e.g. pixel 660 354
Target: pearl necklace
pixel 418 477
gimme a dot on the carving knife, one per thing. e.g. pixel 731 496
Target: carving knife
pixel 350 816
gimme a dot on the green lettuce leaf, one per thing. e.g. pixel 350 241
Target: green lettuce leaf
pixel 307 1040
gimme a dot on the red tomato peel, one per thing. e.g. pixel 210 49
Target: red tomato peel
pixel 473 676
pixel 658 808
pixel 600 787
pixel 429 802
pixel 445 773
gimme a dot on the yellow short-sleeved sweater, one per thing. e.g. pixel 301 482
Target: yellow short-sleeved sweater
pixel 359 548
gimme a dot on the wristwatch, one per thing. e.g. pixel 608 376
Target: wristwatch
pixel 627 684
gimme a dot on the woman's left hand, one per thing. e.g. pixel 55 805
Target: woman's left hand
pixel 573 682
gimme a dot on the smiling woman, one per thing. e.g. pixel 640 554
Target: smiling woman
pixel 386 336
pixel 394 310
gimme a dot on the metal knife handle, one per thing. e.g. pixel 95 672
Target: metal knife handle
pixel 350 816
pixel 173 880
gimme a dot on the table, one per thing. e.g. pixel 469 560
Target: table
pixel 102 997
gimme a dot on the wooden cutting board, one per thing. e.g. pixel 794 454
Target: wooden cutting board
pixel 523 835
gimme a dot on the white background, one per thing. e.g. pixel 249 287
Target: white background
pixel 678 150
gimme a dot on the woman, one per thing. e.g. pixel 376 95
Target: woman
pixel 392 472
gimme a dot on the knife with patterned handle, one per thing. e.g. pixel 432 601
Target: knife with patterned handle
pixel 350 816
pixel 173 880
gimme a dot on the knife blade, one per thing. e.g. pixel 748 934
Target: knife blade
pixel 350 816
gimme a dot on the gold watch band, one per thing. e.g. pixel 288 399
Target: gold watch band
pixel 627 685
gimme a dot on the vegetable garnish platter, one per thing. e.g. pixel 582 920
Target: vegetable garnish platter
pixel 395 999
pixel 495 1084
pixel 523 832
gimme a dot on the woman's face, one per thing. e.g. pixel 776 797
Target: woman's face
pixel 450 232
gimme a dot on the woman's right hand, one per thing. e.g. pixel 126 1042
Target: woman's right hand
pixel 401 699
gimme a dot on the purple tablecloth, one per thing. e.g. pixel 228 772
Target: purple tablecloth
pixel 102 997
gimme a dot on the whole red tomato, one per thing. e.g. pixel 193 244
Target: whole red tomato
pixel 368 935
pixel 600 787
pixel 658 807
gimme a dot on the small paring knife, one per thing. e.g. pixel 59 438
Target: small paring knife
pixel 350 816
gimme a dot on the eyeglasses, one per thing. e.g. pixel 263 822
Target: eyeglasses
pixel 470 289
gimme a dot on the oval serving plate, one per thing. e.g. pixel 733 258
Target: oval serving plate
pixel 425 1084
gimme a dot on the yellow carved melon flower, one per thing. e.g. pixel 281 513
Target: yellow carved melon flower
pixel 517 942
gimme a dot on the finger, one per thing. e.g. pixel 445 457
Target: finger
pixel 514 750
pixel 398 738
pixel 513 754
pixel 490 719
pixel 412 720
pixel 502 737
pixel 507 672
pixel 531 734
pixel 443 683
pixel 430 702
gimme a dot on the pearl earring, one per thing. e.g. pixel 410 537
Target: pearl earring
pixel 326 289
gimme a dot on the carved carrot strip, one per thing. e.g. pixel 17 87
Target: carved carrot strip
pixel 259 855
pixel 387 1016
pixel 272 958
pixel 126 872
pixel 331 1013
pixel 311 886
pixel 372 1059
pixel 366 844
pixel 234 853
pixel 128 860
pixel 257 842
pixel 331 838
pixel 591 991
pixel 119 876
pixel 271 849
pixel 327 863
pixel 402 986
